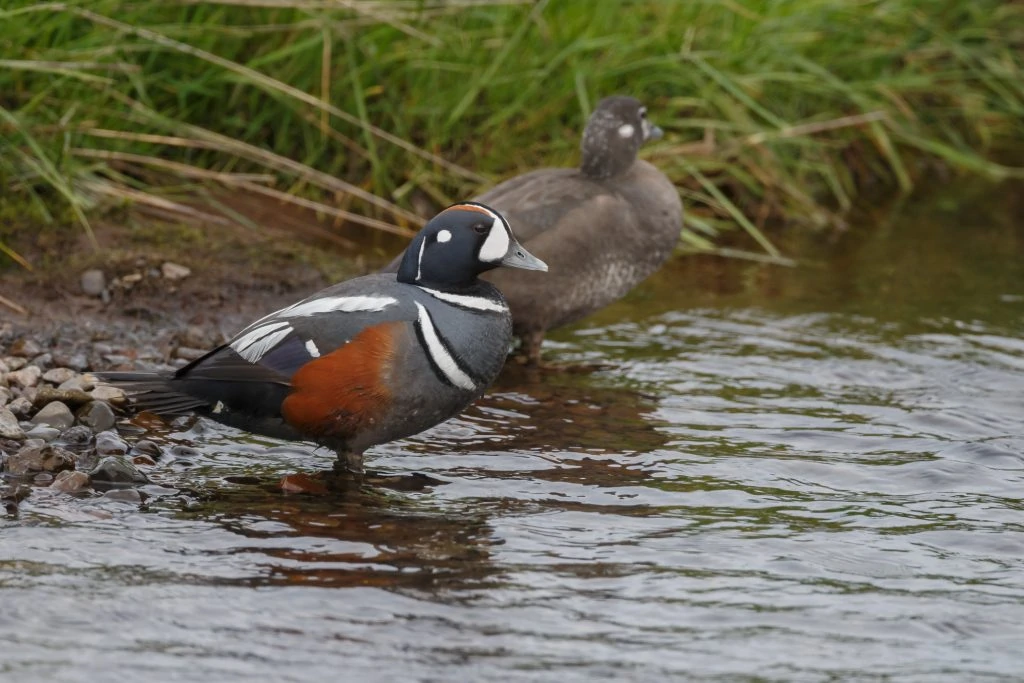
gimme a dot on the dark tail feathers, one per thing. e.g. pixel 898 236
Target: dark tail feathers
pixel 153 392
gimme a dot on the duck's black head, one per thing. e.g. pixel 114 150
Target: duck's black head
pixel 458 244
pixel 613 136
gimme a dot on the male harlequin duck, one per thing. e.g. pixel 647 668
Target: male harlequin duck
pixel 366 361
pixel 602 228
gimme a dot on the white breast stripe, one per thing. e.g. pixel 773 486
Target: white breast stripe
pixel 496 245
pixel 254 344
pixel 312 349
pixel 344 304
pixel 440 355
pixel 477 303
pixel 419 259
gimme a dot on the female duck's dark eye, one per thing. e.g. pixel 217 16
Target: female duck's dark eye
pixel 643 113
pixel 480 228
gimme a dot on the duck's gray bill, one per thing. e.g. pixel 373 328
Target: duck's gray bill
pixel 518 257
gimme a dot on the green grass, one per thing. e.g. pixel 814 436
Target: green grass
pixel 777 111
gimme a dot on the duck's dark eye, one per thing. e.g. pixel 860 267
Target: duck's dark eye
pixel 643 113
pixel 480 228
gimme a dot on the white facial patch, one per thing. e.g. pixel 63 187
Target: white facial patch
pixel 626 130
pixel 497 243
pixel 439 354
pixel 255 343
pixel 443 236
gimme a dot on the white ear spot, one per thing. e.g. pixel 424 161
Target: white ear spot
pixel 626 130
pixel 444 236
pixel 497 243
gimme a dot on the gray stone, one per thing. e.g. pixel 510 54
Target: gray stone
pixel 9 427
pixel 21 407
pixel 43 361
pixel 26 377
pixel 79 383
pixel 188 353
pixel 70 481
pixel 75 361
pixel 54 414
pixel 114 472
pixel 71 397
pixel 44 432
pixel 15 363
pixel 43 479
pixel 109 443
pixel 145 447
pixel 124 495
pixel 59 375
pixel 5 395
pixel 47 458
pixel 97 415
pixel 4 367
pixel 94 282
pixel 76 438
pixel 25 348
pixel 107 393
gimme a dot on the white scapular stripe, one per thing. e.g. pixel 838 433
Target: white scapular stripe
pixel 254 344
pixel 344 304
pixel 496 245
pixel 477 303
pixel 441 356
pixel 311 348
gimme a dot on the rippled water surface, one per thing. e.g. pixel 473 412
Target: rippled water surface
pixel 773 474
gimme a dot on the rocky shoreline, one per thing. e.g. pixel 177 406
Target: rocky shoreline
pixel 58 425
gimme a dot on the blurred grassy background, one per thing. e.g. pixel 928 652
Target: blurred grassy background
pixel 376 111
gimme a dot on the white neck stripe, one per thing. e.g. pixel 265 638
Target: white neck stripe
pixel 477 303
pixel 439 354
pixel 419 260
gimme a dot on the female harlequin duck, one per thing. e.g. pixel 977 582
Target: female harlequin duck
pixel 366 361
pixel 602 228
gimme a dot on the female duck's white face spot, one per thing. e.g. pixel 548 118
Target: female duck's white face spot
pixel 443 236
pixel 626 130
pixel 497 243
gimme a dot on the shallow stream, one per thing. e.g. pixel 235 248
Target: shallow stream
pixel 768 474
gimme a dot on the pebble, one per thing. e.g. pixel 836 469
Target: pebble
pixel 173 271
pixel 26 377
pixel 79 383
pixel 116 472
pixel 42 361
pixel 94 282
pixel 59 375
pixel 104 392
pixel 124 495
pixel 25 348
pixel 71 397
pixel 143 460
pixel 54 414
pixel 43 478
pixel 70 481
pixel 9 427
pixel 14 363
pixel 75 361
pixel 147 448
pixel 109 443
pixel 76 438
pixel 20 406
pixel 96 415
pixel 188 353
pixel 44 432
pixel 4 367
pixel 5 395
pixel 46 458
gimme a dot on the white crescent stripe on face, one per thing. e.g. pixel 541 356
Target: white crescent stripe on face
pixel 254 344
pixel 477 303
pixel 419 259
pixel 497 243
pixel 439 354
